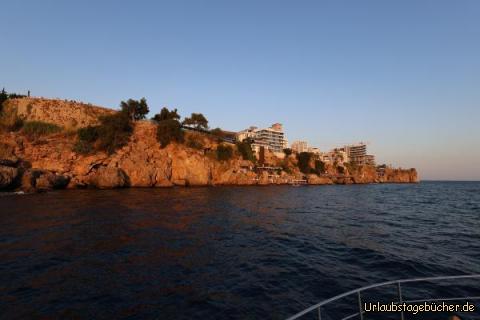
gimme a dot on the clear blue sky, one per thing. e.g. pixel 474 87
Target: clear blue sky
pixel 403 75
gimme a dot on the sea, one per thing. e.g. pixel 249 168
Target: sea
pixel 257 252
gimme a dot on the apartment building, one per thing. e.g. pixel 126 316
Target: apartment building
pixel 272 138
pixel 356 153
pixel 299 146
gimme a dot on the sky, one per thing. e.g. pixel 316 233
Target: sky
pixel 403 76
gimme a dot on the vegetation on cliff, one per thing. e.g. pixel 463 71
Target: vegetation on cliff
pixel 136 109
pixel 4 96
pixel 245 149
pixel 112 133
pixel 36 129
pixel 194 156
pixel 224 152
pixel 197 121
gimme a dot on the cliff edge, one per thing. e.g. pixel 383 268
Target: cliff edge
pixel 49 162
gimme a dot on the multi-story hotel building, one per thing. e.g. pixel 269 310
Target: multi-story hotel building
pixel 357 153
pixel 300 146
pixel 272 138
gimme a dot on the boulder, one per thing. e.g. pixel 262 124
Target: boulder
pixel 49 180
pixel 7 176
pixel 34 180
pixel 316 180
pixel 7 155
pixel 109 177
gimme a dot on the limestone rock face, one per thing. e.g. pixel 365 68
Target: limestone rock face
pixel 67 114
pixel 400 176
pixel 7 155
pixel 316 180
pixel 50 163
pixel 7 176
pixel 49 180
pixel 109 178
pixel 41 180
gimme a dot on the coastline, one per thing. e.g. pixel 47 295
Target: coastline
pixel 37 163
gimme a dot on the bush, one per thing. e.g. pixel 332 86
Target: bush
pixel 245 150
pixel 319 167
pixel 10 122
pixel 3 98
pixel 304 162
pixel 217 132
pixel 168 131
pixel 224 152
pixel 114 131
pixel 136 109
pixel 36 129
pixel 88 134
pixel 83 147
pixel 194 141
pixel 166 114
pixel 196 120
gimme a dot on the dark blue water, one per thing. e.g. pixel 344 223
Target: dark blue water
pixel 226 252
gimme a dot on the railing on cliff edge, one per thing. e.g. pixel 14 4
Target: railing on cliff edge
pixel 400 294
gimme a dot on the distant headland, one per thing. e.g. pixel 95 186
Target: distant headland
pixel 54 144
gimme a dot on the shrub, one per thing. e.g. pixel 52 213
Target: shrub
pixel 10 122
pixel 245 150
pixel 136 109
pixel 196 120
pixel 217 132
pixel 194 141
pixel 224 152
pixel 83 147
pixel 3 98
pixel 88 134
pixel 319 167
pixel 168 131
pixel 166 114
pixel 114 131
pixel 36 129
pixel 304 162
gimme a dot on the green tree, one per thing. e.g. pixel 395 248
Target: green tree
pixel 136 109
pixel 245 150
pixel 319 166
pixel 168 131
pixel 196 120
pixel 217 132
pixel 304 162
pixel 3 98
pixel 88 134
pixel 114 131
pixel 224 152
pixel 287 151
pixel 166 114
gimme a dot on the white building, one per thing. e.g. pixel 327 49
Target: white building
pixel 299 146
pixel 272 138
pixel 357 153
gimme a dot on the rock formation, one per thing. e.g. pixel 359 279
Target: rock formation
pixel 50 162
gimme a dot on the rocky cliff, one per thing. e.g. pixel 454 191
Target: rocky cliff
pixel 50 162
pixel 67 114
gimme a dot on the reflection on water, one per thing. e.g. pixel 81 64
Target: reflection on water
pixel 227 252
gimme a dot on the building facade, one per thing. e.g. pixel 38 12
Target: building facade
pixel 299 146
pixel 272 138
pixel 357 153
